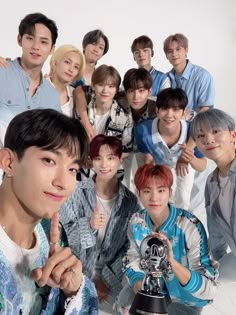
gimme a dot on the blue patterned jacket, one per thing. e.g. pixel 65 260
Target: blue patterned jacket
pixel 75 220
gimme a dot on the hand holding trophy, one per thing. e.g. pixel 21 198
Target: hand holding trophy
pixel 152 298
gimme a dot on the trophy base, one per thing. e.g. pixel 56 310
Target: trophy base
pixel 146 304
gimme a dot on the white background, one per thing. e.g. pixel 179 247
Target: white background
pixel 210 26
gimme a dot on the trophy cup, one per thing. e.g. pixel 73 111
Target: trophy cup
pixel 152 298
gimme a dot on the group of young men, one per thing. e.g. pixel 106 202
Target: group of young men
pixel 42 151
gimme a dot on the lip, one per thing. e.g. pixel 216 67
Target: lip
pixel 104 171
pixel 34 55
pixel 68 74
pixel 153 205
pixel 211 148
pixel 54 197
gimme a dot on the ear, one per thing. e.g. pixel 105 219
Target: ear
pixel 233 135
pixel 157 111
pixel 152 53
pixel 186 49
pixel 6 161
pixel 19 40
pixel 150 92
pixel 170 192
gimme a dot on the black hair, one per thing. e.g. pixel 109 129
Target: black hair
pixel 47 129
pixel 172 98
pixel 27 25
pixel 93 37
pixel 137 78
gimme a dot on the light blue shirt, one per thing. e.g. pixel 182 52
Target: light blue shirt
pixel 160 81
pixel 15 91
pixel 198 85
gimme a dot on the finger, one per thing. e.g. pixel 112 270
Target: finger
pixel 54 233
pixel 71 279
pixel 36 274
pixel 97 208
pixel 182 146
pixel 54 260
pixel 61 268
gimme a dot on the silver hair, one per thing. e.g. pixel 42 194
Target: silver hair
pixel 210 119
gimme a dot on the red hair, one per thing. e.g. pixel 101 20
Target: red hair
pixel 147 172
pixel 114 144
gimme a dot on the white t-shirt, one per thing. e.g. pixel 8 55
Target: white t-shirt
pixel 21 261
pixel 100 123
pixel 105 208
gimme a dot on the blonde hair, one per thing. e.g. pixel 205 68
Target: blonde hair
pixel 59 54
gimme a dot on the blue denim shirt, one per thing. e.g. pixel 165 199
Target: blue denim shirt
pixel 198 85
pixel 15 91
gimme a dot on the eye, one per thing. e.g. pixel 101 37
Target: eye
pixel 200 136
pixel 29 37
pixel 97 158
pixel 48 161
pixel 77 67
pixel 215 131
pixel 74 170
pixel 44 42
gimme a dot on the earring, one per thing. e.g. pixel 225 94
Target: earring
pixel 9 175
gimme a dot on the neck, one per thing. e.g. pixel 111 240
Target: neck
pixel 102 108
pixel 33 71
pixel 137 114
pixel 88 71
pixel 225 163
pixel 16 221
pixel 60 86
pixel 158 220
pixel 148 67
pixel 107 189
pixel 179 69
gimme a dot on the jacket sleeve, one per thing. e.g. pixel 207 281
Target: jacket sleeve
pixel 204 270
pixel 132 259
pixel 217 242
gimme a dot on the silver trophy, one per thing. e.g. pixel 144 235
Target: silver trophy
pixel 153 297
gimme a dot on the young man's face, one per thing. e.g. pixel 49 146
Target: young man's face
pixel 215 144
pixel 105 92
pixel 143 57
pixel 43 180
pixel 36 47
pixel 137 98
pixel 169 118
pixel 155 198
pixel 93 52
pixel 176 54
pixel 68 67
pixel 106 164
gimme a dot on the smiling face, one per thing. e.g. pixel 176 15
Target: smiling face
pixel 105 91
pixel 169 118
pixel 68 67
pixel 42 181
pixel 155 197
pixel 93 52
pixel 215 143
pixel 137 98
pixel 106 164
pixel 36 47
pixel 177 54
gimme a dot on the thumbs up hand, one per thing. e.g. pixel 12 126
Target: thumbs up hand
pixel 98 219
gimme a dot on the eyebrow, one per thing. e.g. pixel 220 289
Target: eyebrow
pixel 58 153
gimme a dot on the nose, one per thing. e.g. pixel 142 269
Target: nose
pixel 154 195
pixel 209 138
pixel 135 94
pixel 103 163
pixel 61 178
pixel 35 44
pixel 169 111
pixel 105 88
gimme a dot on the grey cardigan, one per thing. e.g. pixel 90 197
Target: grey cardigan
pixel 75 220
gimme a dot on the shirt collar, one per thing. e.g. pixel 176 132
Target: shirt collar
pixel 16 62
pixel 185 74
pixel 232 169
